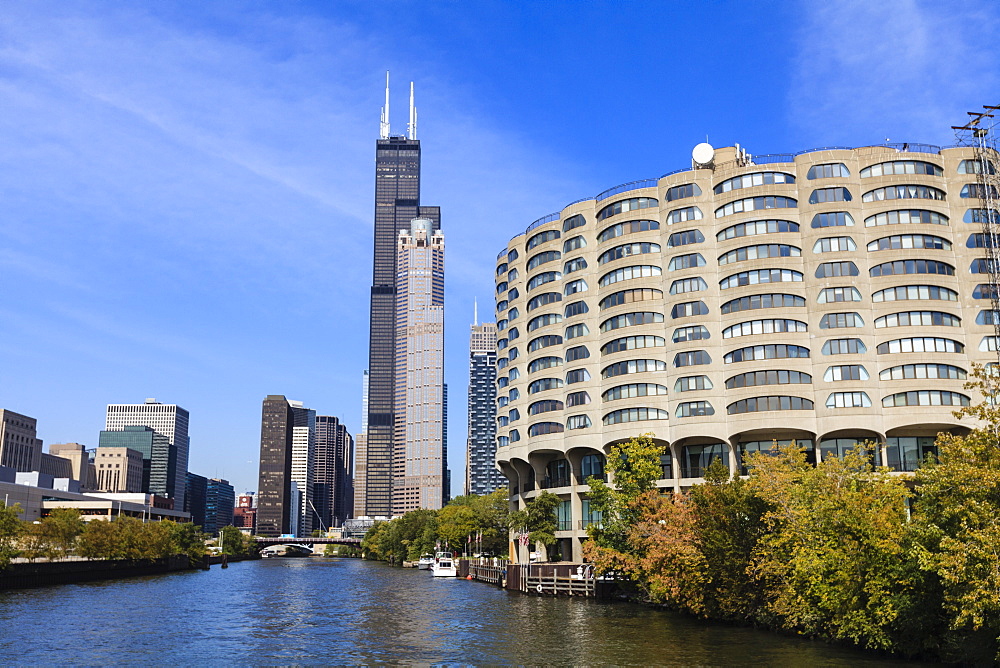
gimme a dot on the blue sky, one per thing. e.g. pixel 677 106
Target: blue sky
pixel 186 188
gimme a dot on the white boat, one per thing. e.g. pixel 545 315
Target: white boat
pixel 426 562
pixel 444 565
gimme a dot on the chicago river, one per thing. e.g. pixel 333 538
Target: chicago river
pixel 327 611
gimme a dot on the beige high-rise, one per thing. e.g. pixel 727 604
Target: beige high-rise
pixel 831 297
pixel 419 459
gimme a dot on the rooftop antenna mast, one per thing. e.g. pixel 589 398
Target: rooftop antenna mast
pixel 980 133
pixel 412 127
pixel 475 312
pixel 384 129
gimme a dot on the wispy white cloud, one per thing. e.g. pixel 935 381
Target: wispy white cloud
pixel 904 70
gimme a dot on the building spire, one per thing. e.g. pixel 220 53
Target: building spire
pixel 475 312
pixel 384 129
pixel 412 127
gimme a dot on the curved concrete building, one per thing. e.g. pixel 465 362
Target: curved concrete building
pixel 831 296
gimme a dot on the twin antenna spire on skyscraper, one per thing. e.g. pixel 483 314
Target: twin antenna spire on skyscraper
pixel 411 127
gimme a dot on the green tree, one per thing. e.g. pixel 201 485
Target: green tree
pixel 492 518
pixel 831 562
pixel 539 518
pixel 635 466
pixel 236 543
pixel 456 522
pixel 11 529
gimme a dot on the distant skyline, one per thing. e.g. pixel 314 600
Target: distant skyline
pixel 186 190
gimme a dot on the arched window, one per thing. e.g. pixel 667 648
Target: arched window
pixel 577 422
pixel 844 347
pixel 756 204
pixel 692 383
pixel 684 285
pixel 755 227
pixel 573 222
pixel 823 195
pixel 922 371
pixel 751 180
pixel 543 384
pixel 907 241
pixel 628 227
pixel 829 170
pixel 628 273
pixel 925 398
pixel 630 296
pixel 845 372
pixel 545 406
pixel 632 366
pixel 975 167
pixel 543 278
pixel 695 459
pixel 918 319
pixel 757 276
pixel 683 192
pixel 900 267
pixel 687 309
pixel 688 409
pixel 542 237
pixel 592 466
pixel 692 333
pixel 766 352
pixel 832 219
pixel 772 403
pixel 621 206
pixel 581 398
pixel 904 292
pixel 632 343
pixel 543 321
pixel 576 264
pixel 544 363
pixel 574 331
pixel 576 308
pixel 841 320
pixel 635 415
pixel 834 245
pixel 543 299
pixel 573 287
pixel 627 250
pixel 901 167
pixel 832 295
pixel 630 319
pixel 634 390
pixel 771 377
pixel 764 326
pixel 574 243
pixel 685 238
pixel 577 353
pixel 542 258
pixel 753 302
pixel 684 215
pixel 848 400
pixel 906 217
pixel 542 428
pixel 758 252
pixel 692 358
pixel 920 344
pixel 836 269
pixel 688 261
pixel 909 191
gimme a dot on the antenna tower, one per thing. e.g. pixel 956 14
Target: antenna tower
pixel 981 134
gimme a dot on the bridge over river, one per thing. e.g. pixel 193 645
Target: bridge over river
pixel 267 541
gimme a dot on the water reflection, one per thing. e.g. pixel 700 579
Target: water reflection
pixel 310 611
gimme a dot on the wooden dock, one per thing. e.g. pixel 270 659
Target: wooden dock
pixel 549 579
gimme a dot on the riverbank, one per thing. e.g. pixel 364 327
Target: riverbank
pixel 26 575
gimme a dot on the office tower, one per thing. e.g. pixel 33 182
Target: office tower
pixel 219 500
pixel 303 462
pixel 419 458
pixel 344 490
pixel 397 202
pixel 830 296
pixel 169 420
pixel 333 496
pixel 196 498
pixel 274 485
pixel 20 448
pixel 83 469
pixel 481 473
pixel 159 457
pixel 245 513
pixel 360 474
pixel 118 469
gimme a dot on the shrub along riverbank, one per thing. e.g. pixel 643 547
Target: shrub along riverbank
pixel 841 550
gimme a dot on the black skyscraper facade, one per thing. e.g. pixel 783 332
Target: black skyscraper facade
pixel 274 486
pixel 397 202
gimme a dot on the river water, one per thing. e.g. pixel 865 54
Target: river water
pixel 328 611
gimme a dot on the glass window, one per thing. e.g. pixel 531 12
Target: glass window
pixel 635 415
pixel 920 344
pixel 770 377
pixel 542 428
pixel 511 256
pixel 692 358
pixel 766 352
pixel 828 170
pixel 577 422
pixel 544 342
pixel 922 371
pixel 577 376
pixel 572 287
pixel 628 227
pixel 694 409
pixel 630 319
pixel 904 292
pixel 687 309
pixel 543 299
pixel 979 216
pixel 574 331
pixel 544 320
pixel 634 390
pixel 632 343
pixel 543 278
pixel 685 238
pixel 691 383
pixel 840 320
pixel 628 273
pixel 543 384
pixel 845 372
pixel 577 353
pixel 696 458
pixel 630 297
pixel 977 191
pixel 909 191
pixel 576 264
pixel 576 308
pixel 684 215
pixel 755 227
pixel 684 285
pixel 758 252
pixel 581 398
pixel 906 241
pixel 621 206
pixel 823 195
pixel 542 258
pixel 542 237
pixel 907 453
pixel 832 295
pixel 901 167
pixel 751 180
pixel 757 276
pixel 844 347
pixel 756 204
pixel 573 243
pixel 836 269
pixel 752 302
pixel 772 403
pixel 925 398
pixel 688 261
pixel 901 267
pixel 692 333
pixel 544 363
pixel 906 217
pixel 545 406
pixel 766 326
pixel 834 244
pixel 832 219
pixel 573 222
pixel 918 319
pixel 627 250
pixel 975 167
pixel 848 400
pixel 632 366
pixel 683 192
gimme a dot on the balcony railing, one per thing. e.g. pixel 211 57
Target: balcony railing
pixel 626 187
pixel 582 479
pixel 549 483
pixel 564 525
pixel 583 524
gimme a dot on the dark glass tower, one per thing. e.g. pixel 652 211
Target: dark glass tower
pixel 397 202
pixel 274 486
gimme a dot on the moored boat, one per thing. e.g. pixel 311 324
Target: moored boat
pixel 444 565
pixel 425 562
